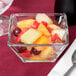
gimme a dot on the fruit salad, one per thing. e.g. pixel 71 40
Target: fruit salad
pixel 40 30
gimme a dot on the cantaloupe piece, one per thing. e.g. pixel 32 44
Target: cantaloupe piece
pixel 42 40
pixel 47 52
pixel 43 29
pixel 43 17
pixel 30 36
pixel 25 23
pixel 37 58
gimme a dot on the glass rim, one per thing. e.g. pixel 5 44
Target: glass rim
pixel 31 14
pixel 7 6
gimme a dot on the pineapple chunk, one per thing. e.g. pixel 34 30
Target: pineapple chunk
pixel 43 29
pixel 25 23
pixel 47 52
pixel 43 17
pixel 37 58
pixel 53 26
pixel 30 36
pixel 42 40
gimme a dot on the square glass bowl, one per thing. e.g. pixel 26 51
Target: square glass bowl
pixel 58 19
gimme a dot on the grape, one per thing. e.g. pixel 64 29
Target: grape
pixel 35 52
pixel 16 31
pixel 21 49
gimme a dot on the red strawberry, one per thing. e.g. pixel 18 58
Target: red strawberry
pixel 55 37
pixel 44 23
pixel 26 53
pixel 35 25
pixel 50 29
pixel 18 39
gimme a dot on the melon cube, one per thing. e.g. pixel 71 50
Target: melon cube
pixel 30 36
pixel 43 29
pixel 25 23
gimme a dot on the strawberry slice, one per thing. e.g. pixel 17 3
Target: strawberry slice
pixel 35 25
pixel 55 37
pixel 18 39
pixel 50 29
pixel 44 23
pixel 26 54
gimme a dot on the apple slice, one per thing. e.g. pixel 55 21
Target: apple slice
pixel 55 38
pixel 43 17
pixel 61 33
pixel 30 36
pixel 53 26
pixel 18 39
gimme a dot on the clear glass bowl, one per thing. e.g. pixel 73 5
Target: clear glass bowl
pixel 58 18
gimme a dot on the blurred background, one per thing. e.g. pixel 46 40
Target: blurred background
pixel 33 6
pixel 47 6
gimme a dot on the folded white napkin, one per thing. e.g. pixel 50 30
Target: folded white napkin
pixel 65 63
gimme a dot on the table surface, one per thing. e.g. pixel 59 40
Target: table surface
pixel 10 64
